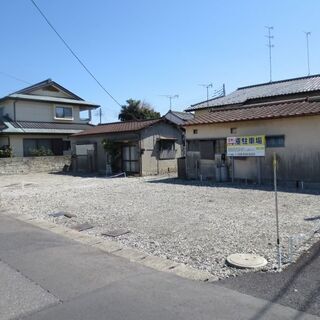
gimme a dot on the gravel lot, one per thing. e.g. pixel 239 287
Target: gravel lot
pixel 199 225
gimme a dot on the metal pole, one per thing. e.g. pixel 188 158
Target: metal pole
pixel 270 45
pixel 276 205
pixel 308 59
pixel 232 169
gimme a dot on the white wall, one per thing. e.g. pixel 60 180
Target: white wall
pixel 38 111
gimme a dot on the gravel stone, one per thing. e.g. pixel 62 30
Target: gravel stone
pixel 194 223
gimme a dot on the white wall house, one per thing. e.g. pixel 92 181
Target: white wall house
pixel 44 116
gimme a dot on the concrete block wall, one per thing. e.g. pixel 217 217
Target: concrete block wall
pixel 25 165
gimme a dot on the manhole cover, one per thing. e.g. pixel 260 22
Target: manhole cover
pixel 115 233
pixel 246 260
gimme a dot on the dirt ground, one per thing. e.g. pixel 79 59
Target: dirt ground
pixel 196 224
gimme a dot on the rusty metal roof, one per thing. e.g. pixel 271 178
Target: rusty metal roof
pixel 271 110
pixel 264 90
pixel 116 127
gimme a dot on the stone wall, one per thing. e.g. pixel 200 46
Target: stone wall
pixel 24 165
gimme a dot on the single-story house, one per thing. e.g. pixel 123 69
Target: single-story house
pixel 178 117
pixel 42 117
pixel 286 113
pixel 144 147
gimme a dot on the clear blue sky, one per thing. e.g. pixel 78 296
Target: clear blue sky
pixel 143 49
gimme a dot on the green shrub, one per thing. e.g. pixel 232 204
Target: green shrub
pixel 40 152
pixel 6 152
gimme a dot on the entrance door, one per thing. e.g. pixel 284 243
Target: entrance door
pixel 130 159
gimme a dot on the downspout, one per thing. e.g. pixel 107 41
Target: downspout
pixel 14 110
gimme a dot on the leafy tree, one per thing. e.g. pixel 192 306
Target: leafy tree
pixel 137 110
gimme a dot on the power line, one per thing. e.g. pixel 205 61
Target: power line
pixel 14 77
pixel 73 53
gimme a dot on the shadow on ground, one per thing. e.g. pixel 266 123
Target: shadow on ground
pixel 178 181
pixel 298 286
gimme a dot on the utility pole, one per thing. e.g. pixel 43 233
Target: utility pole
pixel 270 46
pixel 170 97
pixel 308 34
pixel 207 86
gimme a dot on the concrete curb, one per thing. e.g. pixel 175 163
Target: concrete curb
pixel 111 247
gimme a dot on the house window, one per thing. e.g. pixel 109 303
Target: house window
pixel 42 147
pixel 220 146
pixel 233 130
pixel 193 145
pixel 195 131
pixel 167 149
pixel 63 113
pixel 207 149
pixel 275 141
pixel 66 145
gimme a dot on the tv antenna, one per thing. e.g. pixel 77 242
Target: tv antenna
pixel 270 46
pixel 308 34
pixel 99 113
pixel 170 97
pixel 207 86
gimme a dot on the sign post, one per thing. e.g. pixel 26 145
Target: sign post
pixel 277 212
pixel 246 146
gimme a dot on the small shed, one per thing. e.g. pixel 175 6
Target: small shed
pixel 143 147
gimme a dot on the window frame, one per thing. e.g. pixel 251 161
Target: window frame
pixel 276 136
pixel 171 153
pixel 63 118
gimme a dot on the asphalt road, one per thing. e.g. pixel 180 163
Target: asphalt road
pixel 46 276
pixel 298 286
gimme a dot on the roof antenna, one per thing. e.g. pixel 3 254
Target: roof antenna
pixel 207 86
pixel 170 97
pixel 270 46
pixel 308 33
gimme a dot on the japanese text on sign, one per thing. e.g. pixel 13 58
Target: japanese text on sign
pixel 246 146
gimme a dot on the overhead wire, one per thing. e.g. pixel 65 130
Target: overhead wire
pixel 14 77
pixel 73 53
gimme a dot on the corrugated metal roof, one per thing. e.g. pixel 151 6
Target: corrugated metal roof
pixel 264 90
pixel 116 127
pixel 272 110
pixel 41 127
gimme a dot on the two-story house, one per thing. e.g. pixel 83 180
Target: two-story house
pixel 42 116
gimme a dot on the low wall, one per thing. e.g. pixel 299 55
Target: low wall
pixel 24 165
